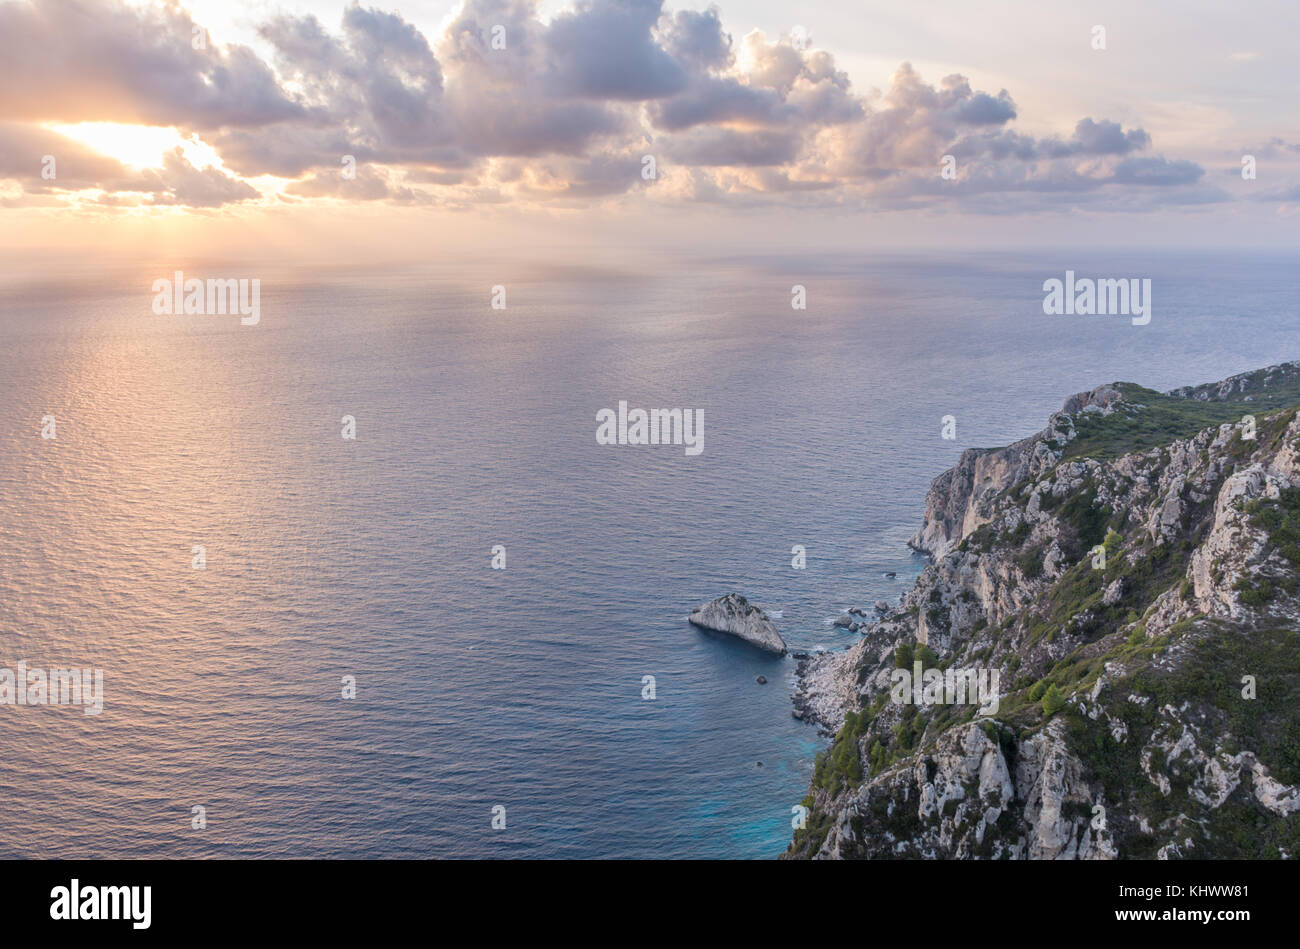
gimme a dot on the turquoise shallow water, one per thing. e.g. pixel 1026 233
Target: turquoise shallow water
pixel 518 688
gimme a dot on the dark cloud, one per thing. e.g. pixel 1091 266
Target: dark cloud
pixel 715 100
pixel 696 40
pixel 788 88
pixel 712 146
pixel 996 146
pixel 606 49
pixel 288 150
pixel 1090 139
pixel 1098 138
pixel 1157 170
pixel 984 109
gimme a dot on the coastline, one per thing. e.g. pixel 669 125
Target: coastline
pixel 825 687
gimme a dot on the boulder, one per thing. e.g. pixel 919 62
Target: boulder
pixel 736 615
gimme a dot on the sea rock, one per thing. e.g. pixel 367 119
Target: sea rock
pixel 843 622
pixel 736 615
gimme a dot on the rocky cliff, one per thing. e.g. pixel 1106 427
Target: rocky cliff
pixel 1128 578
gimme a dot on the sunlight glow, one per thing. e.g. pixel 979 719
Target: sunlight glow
pixel 140 146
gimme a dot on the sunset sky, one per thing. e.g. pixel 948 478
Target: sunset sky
pixel 223 126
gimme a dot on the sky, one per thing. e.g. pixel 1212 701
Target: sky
pixel 346 131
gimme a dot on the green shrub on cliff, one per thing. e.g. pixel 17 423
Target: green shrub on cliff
pixel 1053 701
pixel 1087 518
pixel 1281 520
pixel 841 764
pixel 1030 562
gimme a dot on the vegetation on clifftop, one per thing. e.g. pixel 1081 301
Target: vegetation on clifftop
pixel 1148 419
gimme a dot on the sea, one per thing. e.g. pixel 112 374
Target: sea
pixel 306 649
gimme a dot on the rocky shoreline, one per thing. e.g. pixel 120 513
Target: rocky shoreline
pixel 824 689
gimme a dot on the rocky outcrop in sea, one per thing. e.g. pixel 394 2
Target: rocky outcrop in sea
pixel 734 614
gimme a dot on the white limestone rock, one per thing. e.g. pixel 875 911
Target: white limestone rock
pixel 736 615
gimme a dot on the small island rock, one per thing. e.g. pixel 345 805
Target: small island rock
pixel 736 615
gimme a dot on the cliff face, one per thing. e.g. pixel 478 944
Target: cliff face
pixel 964 497
pixel 1128 579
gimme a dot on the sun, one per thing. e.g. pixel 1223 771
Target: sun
pixel 140 146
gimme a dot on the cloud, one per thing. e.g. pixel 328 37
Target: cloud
pixel 367 184
pixel 714 100
pixel 697 40
pixel 725 146
pixel 74 168
pixel 1288 194
pixel 1275 148
pixel 1156 171
pixel 605 50
pixel 1098 138
pixel 504 105
pixel 22 158
pixel 80 60
pixel 179 182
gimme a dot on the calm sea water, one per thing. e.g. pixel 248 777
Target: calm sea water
pixel 518 688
